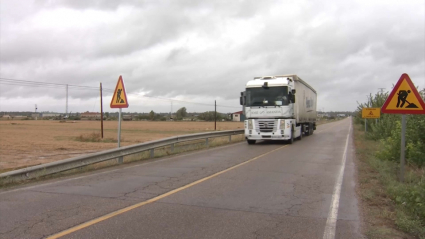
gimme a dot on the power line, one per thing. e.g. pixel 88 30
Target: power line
pixel 189 102
pixel 52 86
pixel 10 81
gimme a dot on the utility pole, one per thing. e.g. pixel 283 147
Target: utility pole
pixel 66 109
pixel 215 115
pixel 171 112
pixel 101 110
pixel 36 111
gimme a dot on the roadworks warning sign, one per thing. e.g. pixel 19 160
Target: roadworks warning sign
pixel 119 99
pixel 404 98
pixel 371 113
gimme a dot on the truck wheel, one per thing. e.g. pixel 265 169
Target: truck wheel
pixel 291 141
pixel 301 134
pixel 309 132
pixel 250 141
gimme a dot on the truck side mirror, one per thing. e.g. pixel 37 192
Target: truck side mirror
pixel 242 99
pixel 291 97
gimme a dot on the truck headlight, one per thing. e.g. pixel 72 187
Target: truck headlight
pixel 250 122
pixel 282 124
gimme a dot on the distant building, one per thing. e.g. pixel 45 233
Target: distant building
pixel 90 116
pixel 50 115
pixel 126 117
pixel 238 116
pixel 13 117
pixel 36 115
pixel 341 115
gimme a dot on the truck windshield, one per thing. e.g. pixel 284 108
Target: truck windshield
pixel 271 96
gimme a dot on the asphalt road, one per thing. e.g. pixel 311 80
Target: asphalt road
pixel 266 190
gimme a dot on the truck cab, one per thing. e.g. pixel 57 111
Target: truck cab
pixel 272 111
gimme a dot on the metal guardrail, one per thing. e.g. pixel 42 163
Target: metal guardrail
pixel 77 162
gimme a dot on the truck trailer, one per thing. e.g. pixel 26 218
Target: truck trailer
pixel 279 107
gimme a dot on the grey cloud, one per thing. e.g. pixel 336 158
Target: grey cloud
pixel 177 53
pixel 357 49
pixel 148 29
pixel 89 4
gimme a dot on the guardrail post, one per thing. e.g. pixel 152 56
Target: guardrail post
pixel 206 142
pixel 120 160
pixel 172 148
pixel 152 152
pixel 230 138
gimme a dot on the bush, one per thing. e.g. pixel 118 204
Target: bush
pixel 388 130
pixel 95 137
pixel 409 196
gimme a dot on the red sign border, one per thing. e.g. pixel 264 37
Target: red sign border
pixel 396 87
pixel 115 92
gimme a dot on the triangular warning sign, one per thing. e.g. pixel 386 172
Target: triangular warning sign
pixel 119 99
pixel 404 99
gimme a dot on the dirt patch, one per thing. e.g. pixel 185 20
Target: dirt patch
pixel 42 141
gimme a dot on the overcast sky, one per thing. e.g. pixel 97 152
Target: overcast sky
pixel 201 51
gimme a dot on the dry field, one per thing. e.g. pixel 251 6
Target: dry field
pixel 29 142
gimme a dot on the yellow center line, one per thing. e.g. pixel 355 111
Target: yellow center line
pixel 126 209
pixel 330 127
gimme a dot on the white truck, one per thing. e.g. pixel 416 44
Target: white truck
pixel 278 108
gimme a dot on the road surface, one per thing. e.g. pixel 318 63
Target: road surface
pixel 266 190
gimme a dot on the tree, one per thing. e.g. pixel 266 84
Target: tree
pixel 181 113
pixel 151 115
pixel 210 115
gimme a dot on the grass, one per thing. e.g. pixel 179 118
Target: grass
pixel 385 211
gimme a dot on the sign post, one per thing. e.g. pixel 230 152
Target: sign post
pixel 403 92
pixel 119 100
pixel 403 145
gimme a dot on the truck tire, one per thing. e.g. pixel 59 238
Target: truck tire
pixel 307 133
pixel 291 141
pixel 301 134
pixel 250 141
pixel 310 129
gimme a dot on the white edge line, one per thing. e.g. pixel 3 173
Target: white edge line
pixel 330 227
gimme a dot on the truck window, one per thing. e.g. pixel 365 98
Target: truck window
pixel 271 96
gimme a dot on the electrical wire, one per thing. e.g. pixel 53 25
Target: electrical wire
pixel 10 81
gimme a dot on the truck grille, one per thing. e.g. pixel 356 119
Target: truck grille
pixel 266 126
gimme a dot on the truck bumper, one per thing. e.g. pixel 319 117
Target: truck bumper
pixel 267 136
pixel 280 130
